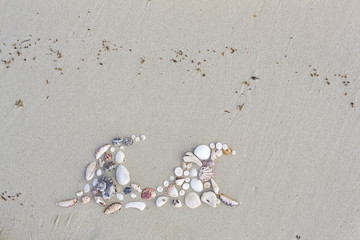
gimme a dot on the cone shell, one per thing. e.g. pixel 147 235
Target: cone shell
pixel 90 170
pixel 172 191
pixel 206 173
pixel 148 194
pixel 85 199
pixel 101 151
pixel 67 203
pixel 228 201
pixel 112 208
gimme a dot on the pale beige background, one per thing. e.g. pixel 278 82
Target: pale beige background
pixel 297 138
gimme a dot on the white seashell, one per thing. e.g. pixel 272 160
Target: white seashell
pixel 191 158
pixel 67 203
pixel 133 195
pixel 159 189
pixel 186 186
pixel 212 145
pixel 87 188
pixel 233 152
pixel 182 192
pixel 186 173
pixel 137 139
pixel 136 187
pixel 218 153
pixel 79 193
pixel 176 203
pixel 172 178
pixel 112 149
pixel 161 201
pixel 187 179
pixel 228 201
pixel 120 196
pixel 166 183
pixel 189 166
pixel 196 185
pixel 143 137
pixel 192 200
pixel 179 181
pixel 138 205
pixel 225 147
pixel 178 171
pixel 98 172
pixel 100 200
pixel 95 182
pixel 183 165
pixel 120 157
pixel 202 152
pixel 193 172
pixel 90 170
pixel 172 191
pixel 210 199
pixel 122 175
pixel 101 151
pixel 206 173
pixel 133 137
pixel 85 199
pixel 207 185
pixel 218 146
pixel 215 187
pixel 112 208
pixel 213 155
pixel 122 147
pixel 101 162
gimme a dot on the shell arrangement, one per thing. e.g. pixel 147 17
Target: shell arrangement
pixel 193 180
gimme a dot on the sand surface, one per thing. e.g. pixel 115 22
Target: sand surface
pixel 88 71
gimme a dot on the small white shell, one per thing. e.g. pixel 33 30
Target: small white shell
pixel 101 151
pixel 133 137
pixel 122 175
pixel 95 182
pixel 193 172
pixel 218 146
pixel 159 189
pixel 100 200
pixel 210 199
pixel 166 183
pixel 224 147
pixel 178 172
pixel 215 187
pixel 112 149
pixel 161 201
pixel 90 170
pixel 101 162
pixel 138 205
pixel 196 185
pixel 85 199
pixel 187 179
pixel 172 178
pixel 67 203
pixel 120 196
pixel 179 181
pixel 202 152
pixel 98 172
pixel 212 145
pixel 186 186
pixel 186 173
pixel 172 191
pixel 228 201
pixel 182 192
pixel 79 193
pixel 192 200
pixel 218 153
pixel 191 158
pixel 143 137
pixel 120 157
pixel 122 147
pixel 137 139
pixel 136 187
pixel 87 188
pixel 207 185
pixel 133 195
pixel 176 203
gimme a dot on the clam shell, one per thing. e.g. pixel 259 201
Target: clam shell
pixel 172 191
pixel 136 187
pixel 214 185
pixel 112 208
pixel 176 203
pixel 160 201
pixel 196 185
pixel 206 173
pixel 191 158
pixel 193 172
pixel 120 157
pixel 148 194
pixel 90 170
pixel 210 199
pixel 138 205
pixel 122 175
pixel 192 200
pixel 202 152
pixel 85 199
pixel 101 150
pixel 100 200
pixel 67 203
pixel 228 201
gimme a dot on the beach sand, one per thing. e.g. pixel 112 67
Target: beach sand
pixel 275 80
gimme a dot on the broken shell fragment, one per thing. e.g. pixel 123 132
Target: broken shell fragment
pixel 172 191
pixel 228 201
pixel 67 203
pixel 210 199
pixel 136 187
pixel 179 181
pixel 213 155
pixel 176 203
pixel 148 194
pixel 202 152
pixel 191 158
pixel 178 171
pixel 215 187
pixel 109 166
pixel 192 200
pixel 101 151
pixel 79 193
pixel 85 199
pixel 218 153
pixel 112 208
pixel 108 156
pixel 208 163
pixel 90 170
pixel 160 201
pixel 196 185
pixel 120 157
pixel 101 162
pixel 122 175
pixel 100 200
pixel 138 205
pixel 206 173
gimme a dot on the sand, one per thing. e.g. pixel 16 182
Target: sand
pixel 275 80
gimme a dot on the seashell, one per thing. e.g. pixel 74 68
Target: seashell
pixel 100 200
pixel 159 189
pixel 90 170
pixel 182 192
pixel 172 191
pixel 85 199
pixel 193 172
pixel 233 152
pixel 101 151
pixel 120 196
pixel 186 173
pixel 210 199
pixel 108 156
pixel 187 179
pixel 179 181
pixel 133 137
pixel 226 150
pixel 218 153
pixel 122 147
pixel 109 166
pixel 228 201
pixel 215 187
pixel 189 166
pixel 137 139
pixel 138 205
pixel 87 188
pixel 206 173
pixel 127 190
pixel 218 146
pixel 186 186
pixel 172 178
pixel 112 208
pixel 79 193
pixel 101 186
pixel 148 194
pixel 166 183
pixel 178 171
pixel 136 187
pixel 117 141
pixel 122 175
pixel 95 182
pixel 67 203
pixel 143 137
pixel 202 152
pixel 176 203
pixel 183 165
pixel 212 145
pixel 94 191
pixel 208 163
pixel 101 162
pixel 128 141
pixel 161 201
pixel 196 185
pixel 98 172
pixel 191 158
pixel 207 185
pixel 110 188
pixel 132 195
pixel 192 200
pixel 120 157
pixel 213 155
pixel 112 149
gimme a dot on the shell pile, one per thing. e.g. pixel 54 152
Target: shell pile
pixel 193 180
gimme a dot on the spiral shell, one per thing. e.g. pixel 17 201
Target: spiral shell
pixel 206 173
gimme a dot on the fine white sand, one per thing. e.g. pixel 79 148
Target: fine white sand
pixel 296 173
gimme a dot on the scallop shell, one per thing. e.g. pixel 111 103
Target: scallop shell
pixel 192 200
pixel 136 187
pixel 202 152
pixel 176 203
pixel 138 205
pixel 160 201
pixel 101 151
pixel 108 156
pixel 206 173
pixel 112 208
pixel 120 157
pixel 228 201
pixel 196 185
pixel 122 175
pixel 90 170
pixel 100 200
pixel 148 194
pixel 210 199
pixel 214 185
pixel 172 191
pixel 85 199
pixel 67 203
pixel 191 158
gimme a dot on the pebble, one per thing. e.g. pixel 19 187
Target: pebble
pixel 137 139
pixel 182 192
pixel 186 173
pixel 196 185
pixel 185 186
pixel 98 172
pixel 127 190
pixel 95 182
pixel 219 146
pixel 178 171
pixel 166 183
pixel 122 175
pixel 193 172
pixel 112 149
pixel 160 189
pixel 172 178
pixel 120 157
pixel 212 145
pixel 86 188
pixel 133 195
pixel 120 196
pixel 143 137
pixel 202 152
pixel 122 148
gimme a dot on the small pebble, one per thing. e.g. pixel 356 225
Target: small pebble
pixel 218 146
pixel 172 178
pixel 122 148
pixel 143 137
pixel 133 195
pixel 127 190
pixel 186 173
pixel 207 185
pixel 233 152
pixel 187 179
pixel 95 182
pixel 112 149
pixel 120 196
pixel 159 189
pixel 182 192
pixel 98 172
pixel 137 139
pixel 166 183
pixel 86 188
pixel 219 153
pixel 186 186
pixel 133 137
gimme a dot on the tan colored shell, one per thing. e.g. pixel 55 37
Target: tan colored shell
pixel 206 173
pixel 112 208
pixel 100 200
pixel 85 199
pixel 67 203
pixel 90 170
